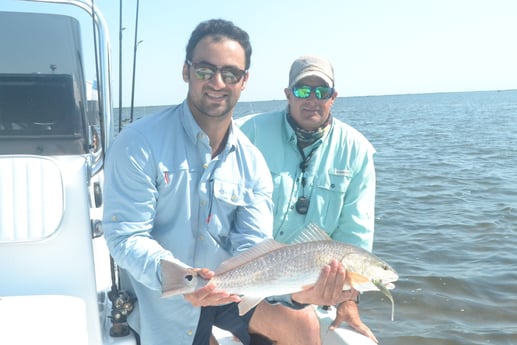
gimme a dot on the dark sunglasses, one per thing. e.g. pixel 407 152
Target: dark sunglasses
pixel 206 71
pixel 304 91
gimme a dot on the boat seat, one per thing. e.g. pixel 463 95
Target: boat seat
pixel 45 231
pixel 43 320
pixel 32 199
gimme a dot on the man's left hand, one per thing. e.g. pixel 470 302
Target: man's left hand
pixel 328 290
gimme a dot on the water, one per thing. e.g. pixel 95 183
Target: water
pixel 446 213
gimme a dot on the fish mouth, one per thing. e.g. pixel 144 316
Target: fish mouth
pixel 389 275
pixel 389 280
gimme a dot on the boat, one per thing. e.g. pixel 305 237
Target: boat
pixel 58 283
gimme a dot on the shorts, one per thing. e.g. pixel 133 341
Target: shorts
pixel 225 317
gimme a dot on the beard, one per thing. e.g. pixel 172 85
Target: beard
pixel 212 107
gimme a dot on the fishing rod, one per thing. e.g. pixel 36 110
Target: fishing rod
pixel 134 60
pixel 120 68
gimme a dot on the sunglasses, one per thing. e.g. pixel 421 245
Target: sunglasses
pixel 304 91
pixel 206 71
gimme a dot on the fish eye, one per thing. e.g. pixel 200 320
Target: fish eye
pixel 189 277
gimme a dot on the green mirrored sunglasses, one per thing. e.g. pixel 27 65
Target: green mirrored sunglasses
pixel 304 91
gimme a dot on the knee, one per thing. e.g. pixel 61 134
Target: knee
pixel 286 326
pixel 307 326
pixel 300 327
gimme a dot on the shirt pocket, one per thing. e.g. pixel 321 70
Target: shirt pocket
pixel 232 194
pixel 283 189
pixel 227 197
pixel 329 196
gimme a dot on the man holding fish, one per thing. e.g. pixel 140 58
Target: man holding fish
pixel 185 186
pixel 323 170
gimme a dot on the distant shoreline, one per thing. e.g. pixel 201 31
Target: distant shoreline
pixel 363 96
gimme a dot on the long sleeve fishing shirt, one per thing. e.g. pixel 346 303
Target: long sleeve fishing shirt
pixel 166 198
pixel 339 180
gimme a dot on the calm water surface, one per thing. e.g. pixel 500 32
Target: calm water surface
pixel 446 213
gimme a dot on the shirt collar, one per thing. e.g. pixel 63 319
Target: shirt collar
pixel 189 124
pixel 288 130
pixel 195 133
pixel 291 134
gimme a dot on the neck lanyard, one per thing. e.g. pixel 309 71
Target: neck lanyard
pixel 302 204
pixel 304 164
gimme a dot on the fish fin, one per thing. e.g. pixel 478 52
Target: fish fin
pixel 254 252
pixel 177 279
pixel 247 303
pixel 355 279
pixel 312 233
pixel 360 282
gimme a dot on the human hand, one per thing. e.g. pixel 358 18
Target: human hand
pixel 328 290
pixel 349 312
pixel 209 295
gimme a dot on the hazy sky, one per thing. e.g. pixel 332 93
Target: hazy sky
pixel 377 47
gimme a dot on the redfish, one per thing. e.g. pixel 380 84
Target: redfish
pixel 271 268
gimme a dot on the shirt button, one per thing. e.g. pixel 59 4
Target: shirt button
pixel 205 165
pixel 292 207
pixel 201 237
pixel 189 332
pixel 203 203
pixel 281 233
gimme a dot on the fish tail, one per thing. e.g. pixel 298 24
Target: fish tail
pixel 177 279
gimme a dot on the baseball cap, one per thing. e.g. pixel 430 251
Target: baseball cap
pixel 310 65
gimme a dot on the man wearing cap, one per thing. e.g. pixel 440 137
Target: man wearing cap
pixel 323 173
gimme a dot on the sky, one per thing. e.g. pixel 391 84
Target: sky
pixel 377 47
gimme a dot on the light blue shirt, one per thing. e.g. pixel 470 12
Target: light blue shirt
pixel 340 179
pixel 165 197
